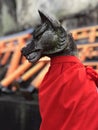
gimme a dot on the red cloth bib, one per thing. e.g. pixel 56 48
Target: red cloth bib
pixel 68 97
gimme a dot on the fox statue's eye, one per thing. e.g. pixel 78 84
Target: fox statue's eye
pixel 39 30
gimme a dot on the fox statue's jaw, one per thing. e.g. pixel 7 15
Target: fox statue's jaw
pixel 31 52
pixel 49 39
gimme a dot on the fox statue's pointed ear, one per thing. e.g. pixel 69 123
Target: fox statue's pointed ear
pixel 45 18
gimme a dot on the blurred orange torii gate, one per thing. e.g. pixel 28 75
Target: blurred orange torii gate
pixel 19 67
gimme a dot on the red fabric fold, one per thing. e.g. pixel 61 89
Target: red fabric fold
pixel 68 98
pixel 93 74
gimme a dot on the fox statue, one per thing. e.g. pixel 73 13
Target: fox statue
pixel 49 39
pixel 68 97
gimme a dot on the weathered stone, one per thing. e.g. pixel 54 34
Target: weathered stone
pixel 17 15
pixel 8 22
pixel 27 9
pixel 27 13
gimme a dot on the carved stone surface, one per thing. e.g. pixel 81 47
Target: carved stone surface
pixel 49 39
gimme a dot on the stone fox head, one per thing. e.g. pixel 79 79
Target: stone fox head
pixel 49 39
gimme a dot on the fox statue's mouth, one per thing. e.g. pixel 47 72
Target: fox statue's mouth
pixel 31 53
pixel 34 56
